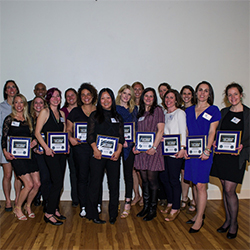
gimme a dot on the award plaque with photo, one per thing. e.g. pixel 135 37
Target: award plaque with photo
pixel 171 144
pixel 20 147
pixel 107 145
pixel 129 131
pixel 144 140
pixel 80 131
pixel 195 145
pixel 58 142
pixel 40 148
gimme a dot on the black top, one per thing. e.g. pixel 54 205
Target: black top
pixel 13 127
pixel 77 115
pixel 110 127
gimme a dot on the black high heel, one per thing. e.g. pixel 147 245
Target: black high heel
pixel 232 236
pixel 61 217
pixel 192 221
pixel 222 230
pixel 57 223
pixel 99 221
pixel 191 230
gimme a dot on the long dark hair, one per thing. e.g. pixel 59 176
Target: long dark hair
pixel 142 104
pixel 210 99
pixel 5 96
pixel 189 88
pixel 99 109
pixel 50 92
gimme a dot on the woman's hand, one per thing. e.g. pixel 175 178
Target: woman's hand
pixel 33 143
pixel 239 148
pixel 186 155
pixel 9 156
pixel 135 151
pixel 125 144
pixel 180 154
pixel 203 157
pixel 115 156
pixel 151 151
pixel 74 141
pixel 97 154
pixel 49 152
pixel 38 151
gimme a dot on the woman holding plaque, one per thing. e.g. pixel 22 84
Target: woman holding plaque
pixel 150 119
pixel 10 89
pixel 70 96
pixel 108 124
pixel 187 95
pixel 18 124
pixel 138 89
pixel 82 151
pixel 202 120
pixel 51 119
pixel 125 106
pixel 175 124
pixel 230 168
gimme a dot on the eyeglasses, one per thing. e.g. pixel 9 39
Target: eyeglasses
pixel 11 87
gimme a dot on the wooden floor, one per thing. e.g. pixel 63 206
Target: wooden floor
pixel 130 233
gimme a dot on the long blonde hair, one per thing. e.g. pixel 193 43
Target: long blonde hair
pixel 32 110
pixel 25 110
pixel 131 103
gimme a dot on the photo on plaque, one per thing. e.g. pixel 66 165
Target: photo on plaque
pixel 80 131
pixel 195 145
pixel 129 131
pixel 107 145
pixel 144 140
pixel 227 142
pixel 171 144
pixel 20 147
pixel 58 142
pixel 40 148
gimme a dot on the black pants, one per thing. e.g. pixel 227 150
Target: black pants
pixel 97 168
pixel 170 178
pixel 128 165
pixel 56 166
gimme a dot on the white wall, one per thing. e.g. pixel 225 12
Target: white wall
pixel 109 43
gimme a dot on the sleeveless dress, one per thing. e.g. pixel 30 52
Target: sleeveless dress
pixel 197 170
pixel 226 166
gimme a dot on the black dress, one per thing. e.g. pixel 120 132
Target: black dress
pixel 226 166
pixel 13 127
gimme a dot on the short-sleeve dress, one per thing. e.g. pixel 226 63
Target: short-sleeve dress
pixel 226 166
pixel 197 170
pixel 148 123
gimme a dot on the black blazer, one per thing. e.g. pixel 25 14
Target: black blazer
pixel 245 139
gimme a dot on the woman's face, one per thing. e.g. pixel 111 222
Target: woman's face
pixel 71 97
pixel 148 98
pixel 11 89
pixel 170 100
pixel 138 91
pixel 86 97
pixel 38 104
pixel 234 96
pixel 18 104
pixel 55 99
pixel 125 96
pixel 162 90
pixel 106 101
pixel 186 96
pixel 203 93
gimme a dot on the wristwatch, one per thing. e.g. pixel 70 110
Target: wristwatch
pixel 183 147
pixel 154 148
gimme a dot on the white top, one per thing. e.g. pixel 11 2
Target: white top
pixel 175 123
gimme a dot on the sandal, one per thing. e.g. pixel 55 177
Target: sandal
pixel 31 214
pixel 126 212
pixel 167 210
pixel 141 203
pixel 173 216
pixel 193 210
pixel 187 203
pixel 22 217
pixel 135 201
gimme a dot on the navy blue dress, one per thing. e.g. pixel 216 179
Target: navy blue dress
pixel 197 170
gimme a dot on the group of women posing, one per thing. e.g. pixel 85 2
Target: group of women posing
pixel 190 112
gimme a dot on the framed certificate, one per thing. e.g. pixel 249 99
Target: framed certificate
pixel 40 148
pixel 227 142
pixel 129 131
pixel 195 145
pixel 171 144
pixel 144 140
pixel 80 131
pixel 20 147
pixel 58 142
pixel 107 145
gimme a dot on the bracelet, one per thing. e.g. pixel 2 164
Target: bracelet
pixel 154 148
pixel 206 154
pixel 209 150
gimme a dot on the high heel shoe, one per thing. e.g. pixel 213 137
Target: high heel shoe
pixel 22 217
pixel 171 217
pixel 222 230
pixel 167 210
pixel 56 223
pixel 99 221
pixel 192 221
pixel 232 236
pixel 126 212
pixel 31 214
pixel 191 230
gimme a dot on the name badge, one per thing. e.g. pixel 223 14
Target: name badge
pixel 207 116
pixel 113 120
pixel 15 124
pixel 62 119
pixel 141 119
pixel 235 120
